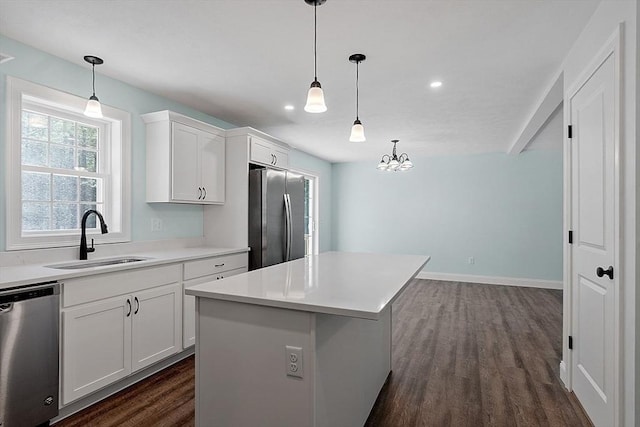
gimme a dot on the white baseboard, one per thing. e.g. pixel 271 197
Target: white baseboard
pixel 563 374
pixel 491 280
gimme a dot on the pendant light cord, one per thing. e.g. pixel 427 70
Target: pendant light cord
pixel 93 73
pixel 357 90
pixel 315 41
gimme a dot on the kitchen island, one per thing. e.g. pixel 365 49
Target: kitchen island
pixel 303 343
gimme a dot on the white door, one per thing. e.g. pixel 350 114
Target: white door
pixel 96 346
pixel 156 325
pixel 185 177
pixel 593 206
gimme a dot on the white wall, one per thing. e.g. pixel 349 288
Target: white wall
pixel 601 26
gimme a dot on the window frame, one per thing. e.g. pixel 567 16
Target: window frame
pixel 117 143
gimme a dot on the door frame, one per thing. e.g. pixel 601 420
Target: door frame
pixel 613 46
pixel 316 208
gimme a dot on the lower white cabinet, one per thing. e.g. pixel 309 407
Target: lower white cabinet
pixel 200 271
pixel 107 340
pixel 189 305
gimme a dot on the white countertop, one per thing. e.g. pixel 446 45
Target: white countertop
pixel 347 284
pixel 35 273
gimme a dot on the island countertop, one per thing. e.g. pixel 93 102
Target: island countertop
pixel 341 283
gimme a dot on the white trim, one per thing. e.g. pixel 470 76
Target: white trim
pixel 316 205
pixel 563 372
pixel 549 103
pixel 491 280
pixel 119 123
pixel 613 46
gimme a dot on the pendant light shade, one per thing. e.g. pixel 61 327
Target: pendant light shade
pixel 357 130
pixel 315 99
pixel 93 109
pixel 315 96
pixel 393 162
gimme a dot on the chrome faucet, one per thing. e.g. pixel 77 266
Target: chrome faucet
pixel 83 239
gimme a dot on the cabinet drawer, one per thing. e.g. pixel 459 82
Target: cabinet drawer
pixel 208 266
pixel 101 286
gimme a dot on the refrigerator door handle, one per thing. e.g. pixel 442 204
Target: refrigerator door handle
pixel 288 221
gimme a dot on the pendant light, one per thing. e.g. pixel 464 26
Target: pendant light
pixel 93 106
pixel 393 162
pixel 315 97
pixel 357 130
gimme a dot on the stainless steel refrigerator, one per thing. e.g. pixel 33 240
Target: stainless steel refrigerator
pixel 276 217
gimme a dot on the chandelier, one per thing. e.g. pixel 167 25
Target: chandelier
pixel 394 162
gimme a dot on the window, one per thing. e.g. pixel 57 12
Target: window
pixel 62 163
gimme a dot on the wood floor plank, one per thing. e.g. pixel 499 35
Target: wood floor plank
pixel 463 355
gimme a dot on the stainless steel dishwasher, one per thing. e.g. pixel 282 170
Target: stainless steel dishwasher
pixel 29 324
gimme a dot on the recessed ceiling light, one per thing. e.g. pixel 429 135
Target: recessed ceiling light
pixel 289 107
pixel 435 84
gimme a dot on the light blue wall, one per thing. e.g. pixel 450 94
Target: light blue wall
pixel 179 221
pixel 304 162
pixel 505 211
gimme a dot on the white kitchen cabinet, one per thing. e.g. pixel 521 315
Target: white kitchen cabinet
pixel 96 346
pixel 185 159
pixel 156 325
pixel 267 153
pixel 116 324
pixel 226 225
pixel 201 271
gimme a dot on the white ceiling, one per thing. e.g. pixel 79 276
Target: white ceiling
pixel 243 60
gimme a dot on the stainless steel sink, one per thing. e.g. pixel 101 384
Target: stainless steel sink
pixel 97 263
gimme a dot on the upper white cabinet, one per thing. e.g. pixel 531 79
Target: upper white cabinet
pixel 267 153
pixel 185 159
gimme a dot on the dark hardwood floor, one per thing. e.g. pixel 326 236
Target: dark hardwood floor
pixel 463 355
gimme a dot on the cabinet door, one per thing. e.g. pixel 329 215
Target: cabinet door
pixel 281 158
pixel 156 324
pixel 212 167
pixel 185 178
pixel 189 306
pixel 96 346
pixel 261 152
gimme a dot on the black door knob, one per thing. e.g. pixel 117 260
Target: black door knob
pixel 601 272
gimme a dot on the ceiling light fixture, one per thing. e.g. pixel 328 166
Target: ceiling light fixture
pixel 394 162
pixel 93 106
pixel 435 84
pixel 357 130
pixel 315 97
pixel 289 107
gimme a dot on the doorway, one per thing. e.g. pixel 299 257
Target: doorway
pixel 311 240
pixel 592 300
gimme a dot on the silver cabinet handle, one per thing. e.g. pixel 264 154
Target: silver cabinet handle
pixel 205 193
pixel 137 305
pixel 276 159
pixel 219 265
pixel 129 304
pixel 200 193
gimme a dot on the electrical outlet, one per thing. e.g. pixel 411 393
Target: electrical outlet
pixel 293 357
pixel 472 260
pixel 156 224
